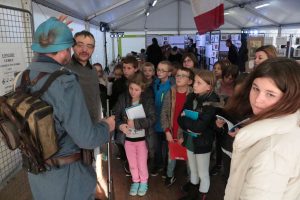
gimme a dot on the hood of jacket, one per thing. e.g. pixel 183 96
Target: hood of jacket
pixel 265 128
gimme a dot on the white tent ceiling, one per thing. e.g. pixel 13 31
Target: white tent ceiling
pixel 129 15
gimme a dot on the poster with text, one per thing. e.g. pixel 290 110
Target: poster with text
pixel 11 63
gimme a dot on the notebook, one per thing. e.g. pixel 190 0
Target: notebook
pixel 177 152
pixel 135 112
pixel 231 126
pixel 191 114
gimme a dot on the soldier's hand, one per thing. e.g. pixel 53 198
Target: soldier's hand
pixel 63 18
pixel 111 122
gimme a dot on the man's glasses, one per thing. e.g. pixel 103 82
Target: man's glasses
pixel 82 45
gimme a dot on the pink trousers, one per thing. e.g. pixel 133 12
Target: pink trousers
pixel 137 155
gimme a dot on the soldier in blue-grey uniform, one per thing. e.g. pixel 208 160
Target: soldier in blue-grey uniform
pixel 72 180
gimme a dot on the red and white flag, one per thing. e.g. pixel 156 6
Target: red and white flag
pixel 208 14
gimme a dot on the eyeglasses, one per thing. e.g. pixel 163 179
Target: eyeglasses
pixel 160 70
pixel 82 45
pixel 181 76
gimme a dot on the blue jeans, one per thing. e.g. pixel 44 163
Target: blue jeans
pixel 172 165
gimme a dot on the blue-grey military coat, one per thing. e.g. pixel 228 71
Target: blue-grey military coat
pixel 75 130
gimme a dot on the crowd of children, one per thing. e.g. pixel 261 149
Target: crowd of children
pixel 182 105
pixel 165 93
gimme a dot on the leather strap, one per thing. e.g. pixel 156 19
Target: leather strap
pixel 52 77
pixel 25 80
pixel 64 160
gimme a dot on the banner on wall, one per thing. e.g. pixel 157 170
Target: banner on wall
pixel 208 14
pixel 11 63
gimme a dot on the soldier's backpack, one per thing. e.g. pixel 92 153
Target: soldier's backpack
pixel 27 122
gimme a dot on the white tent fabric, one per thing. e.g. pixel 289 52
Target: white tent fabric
pixel 130 15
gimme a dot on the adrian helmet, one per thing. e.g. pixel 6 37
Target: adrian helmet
pixel 52 36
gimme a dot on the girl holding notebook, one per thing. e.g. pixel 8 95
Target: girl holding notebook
pixel 196 121
pixel 136 130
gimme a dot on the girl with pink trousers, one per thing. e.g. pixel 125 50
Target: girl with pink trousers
pixel 136 132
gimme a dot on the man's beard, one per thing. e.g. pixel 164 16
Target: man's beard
pixel 66 60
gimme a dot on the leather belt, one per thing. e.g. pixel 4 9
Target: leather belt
pixel 64 160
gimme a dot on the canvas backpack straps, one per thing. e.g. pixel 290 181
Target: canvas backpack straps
pixel 25 80
pixel 23 89
pixel 48 82
pixel 40 92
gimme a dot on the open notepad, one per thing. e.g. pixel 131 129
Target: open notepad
pixel 135 112
pixel 231 126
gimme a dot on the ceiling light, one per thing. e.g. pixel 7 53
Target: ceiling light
pixel 116 34
pixel 147 14
pixel 226 13
pixel 261 6
pixel 154 2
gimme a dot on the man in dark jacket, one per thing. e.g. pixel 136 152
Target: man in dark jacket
pixel 87 75
pixel 232 53
pixel 243 54
pixel 154 53
pixel 175 56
